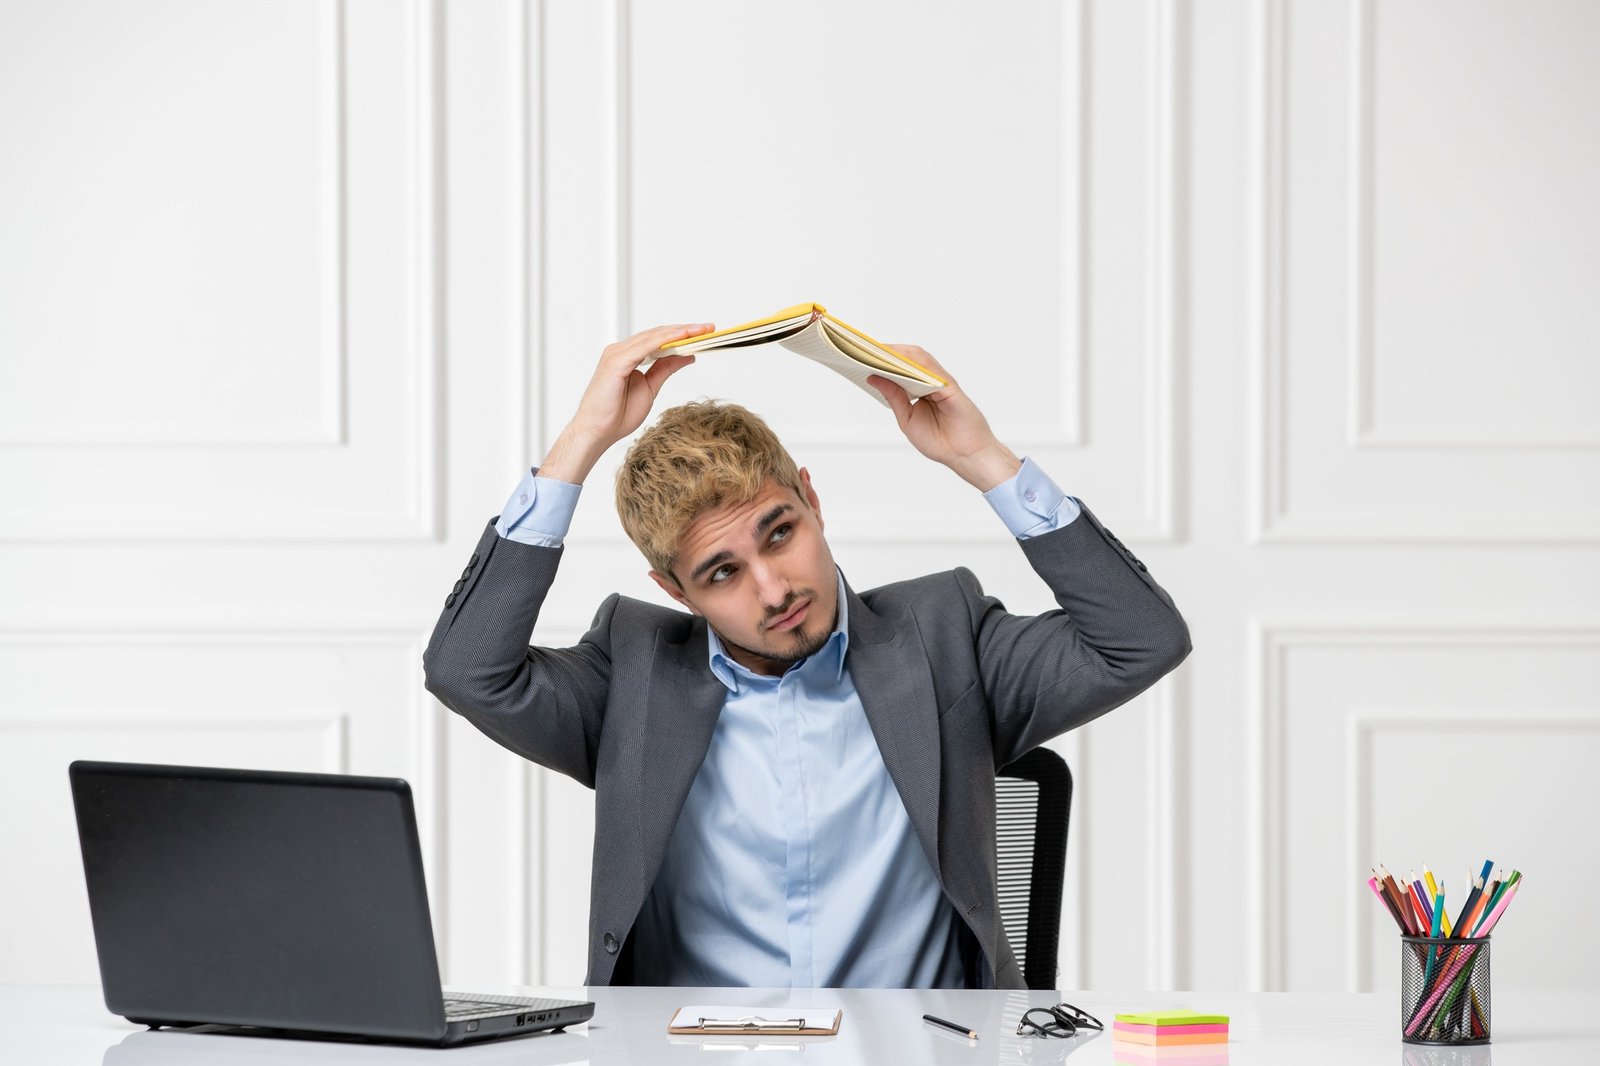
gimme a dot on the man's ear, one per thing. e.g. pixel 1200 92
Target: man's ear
pixel 670 587
pixel 811 496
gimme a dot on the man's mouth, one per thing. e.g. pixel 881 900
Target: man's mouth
pixel 792 619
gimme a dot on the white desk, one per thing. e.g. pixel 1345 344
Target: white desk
pixel 70 1027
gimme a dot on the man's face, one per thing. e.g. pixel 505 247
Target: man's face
pixel 762 575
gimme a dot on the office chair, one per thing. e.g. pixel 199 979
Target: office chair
pixel 1033 799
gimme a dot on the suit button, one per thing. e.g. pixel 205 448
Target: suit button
pixel 611 944
pixel 466 573
pixel 1141 566
pixel 459 585
pixel 450 600
pixel 472 561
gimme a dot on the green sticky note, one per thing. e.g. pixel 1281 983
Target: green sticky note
pixel 1173 1017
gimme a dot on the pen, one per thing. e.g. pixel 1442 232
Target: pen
pixel 952 1026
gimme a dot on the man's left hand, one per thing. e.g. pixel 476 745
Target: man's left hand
pixel 947 426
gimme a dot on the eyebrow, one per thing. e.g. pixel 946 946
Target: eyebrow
pixel 716 560
pixel 771 517
pixel 765 523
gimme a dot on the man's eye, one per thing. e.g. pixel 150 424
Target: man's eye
pixel 781 534
pixel 721 573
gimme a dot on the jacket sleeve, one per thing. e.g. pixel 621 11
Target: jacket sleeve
pixel 545 704
pixel 1117 632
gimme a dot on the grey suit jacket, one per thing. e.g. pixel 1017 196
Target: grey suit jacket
pixel 953 687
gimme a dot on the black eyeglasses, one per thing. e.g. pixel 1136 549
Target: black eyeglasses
pixel 1063 1020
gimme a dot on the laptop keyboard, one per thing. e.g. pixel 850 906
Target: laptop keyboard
pixel 458 1005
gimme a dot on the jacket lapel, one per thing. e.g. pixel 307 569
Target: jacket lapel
pixel 894 679
pixel 682 704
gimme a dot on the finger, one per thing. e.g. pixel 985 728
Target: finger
pixel 659 335
pixel 639 347
pixel 922 357
pixel 894 395
pixel 664 368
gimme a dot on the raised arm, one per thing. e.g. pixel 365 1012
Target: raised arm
pixel 617 401
pixel 546 704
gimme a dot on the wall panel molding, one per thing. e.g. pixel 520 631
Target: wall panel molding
pixel 1271 518
pixel 1269 645
pixel 1364 432
pixel 333 372
pixel 1361 728
pixel 79 518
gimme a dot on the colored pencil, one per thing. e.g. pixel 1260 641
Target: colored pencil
pixel 1388 904
pixel 1474 891
pixel 1477 910
pixel 1493 919
pixel 1400 906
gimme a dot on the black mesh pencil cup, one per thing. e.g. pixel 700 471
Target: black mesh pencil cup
pixel 1444 990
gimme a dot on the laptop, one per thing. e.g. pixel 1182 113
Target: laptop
pixel 282 902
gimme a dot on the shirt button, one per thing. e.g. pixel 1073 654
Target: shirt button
pixel 522 497
pixel 1030 495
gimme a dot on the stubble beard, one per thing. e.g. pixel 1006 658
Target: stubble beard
pixel 805 646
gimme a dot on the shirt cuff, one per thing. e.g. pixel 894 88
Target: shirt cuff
pixel 1030 504
pixel 539 511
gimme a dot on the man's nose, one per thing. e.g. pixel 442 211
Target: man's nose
pixel 772 586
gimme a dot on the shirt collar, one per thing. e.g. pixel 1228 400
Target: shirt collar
pixel 829 658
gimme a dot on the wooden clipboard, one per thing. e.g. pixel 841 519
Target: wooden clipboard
pixel 701 1020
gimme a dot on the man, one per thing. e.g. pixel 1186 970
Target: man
pixel 794 782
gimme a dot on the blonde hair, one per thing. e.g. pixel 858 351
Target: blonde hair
pixel 697 456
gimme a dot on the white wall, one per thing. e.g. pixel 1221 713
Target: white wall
pixel 1297 295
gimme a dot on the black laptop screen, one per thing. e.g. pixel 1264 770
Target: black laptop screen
pixel 257 898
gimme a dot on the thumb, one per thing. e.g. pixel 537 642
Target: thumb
pixel 664 368
pixel 894 396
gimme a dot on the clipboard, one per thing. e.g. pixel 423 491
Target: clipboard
pixel 701 1020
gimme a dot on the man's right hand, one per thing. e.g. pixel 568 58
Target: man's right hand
pixel 618 399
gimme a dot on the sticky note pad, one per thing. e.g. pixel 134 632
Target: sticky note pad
pixel 1171 1028
pixel 1163 1039
pixel 1161 1018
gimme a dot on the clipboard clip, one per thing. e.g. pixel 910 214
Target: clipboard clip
pixel 749 1022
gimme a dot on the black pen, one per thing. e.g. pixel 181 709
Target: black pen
pixel 952 1026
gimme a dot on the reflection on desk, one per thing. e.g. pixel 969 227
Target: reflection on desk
pixel 630 1029
pixel 1474 1055
pixel 70 1027
pixel 176 1047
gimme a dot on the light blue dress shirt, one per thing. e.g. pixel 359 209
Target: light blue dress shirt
pixel 794 862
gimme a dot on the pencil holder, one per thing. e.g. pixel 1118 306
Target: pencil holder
pixel 1444 990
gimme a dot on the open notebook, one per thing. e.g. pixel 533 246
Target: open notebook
pixel 808 330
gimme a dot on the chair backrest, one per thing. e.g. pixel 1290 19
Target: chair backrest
pixel 1033 800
